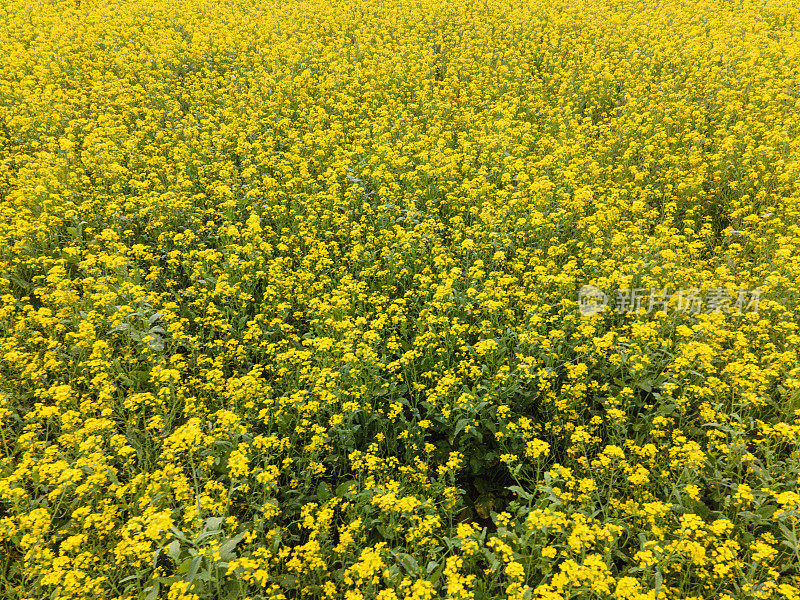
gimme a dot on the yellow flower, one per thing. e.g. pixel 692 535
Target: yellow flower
pixel 692 491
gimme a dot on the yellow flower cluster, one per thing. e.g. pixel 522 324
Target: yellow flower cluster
pixel 292 299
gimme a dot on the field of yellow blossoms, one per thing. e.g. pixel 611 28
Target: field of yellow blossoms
pixel 400 299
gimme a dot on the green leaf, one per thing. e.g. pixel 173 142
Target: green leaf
pixel 460 425
pixel 766 511
pixel 408 562
pixel 434 579
pixel 393 574
pixel 204 535
pixel 226 550
pixel 234 589
pixel 344 487
pixel 174 550
pixel 121 327
pixel 703 510
pixel 385 531
pixel 178 534
pixel 153 593
pixel 324 492
pixel 194 567
pixel 520 492
pixel 527 594
pixel 276 540
pixel 213 523
pixel 184 566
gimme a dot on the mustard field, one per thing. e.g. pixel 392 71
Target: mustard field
pixel 400 299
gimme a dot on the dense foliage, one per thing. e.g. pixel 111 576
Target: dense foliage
pixel 289 299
